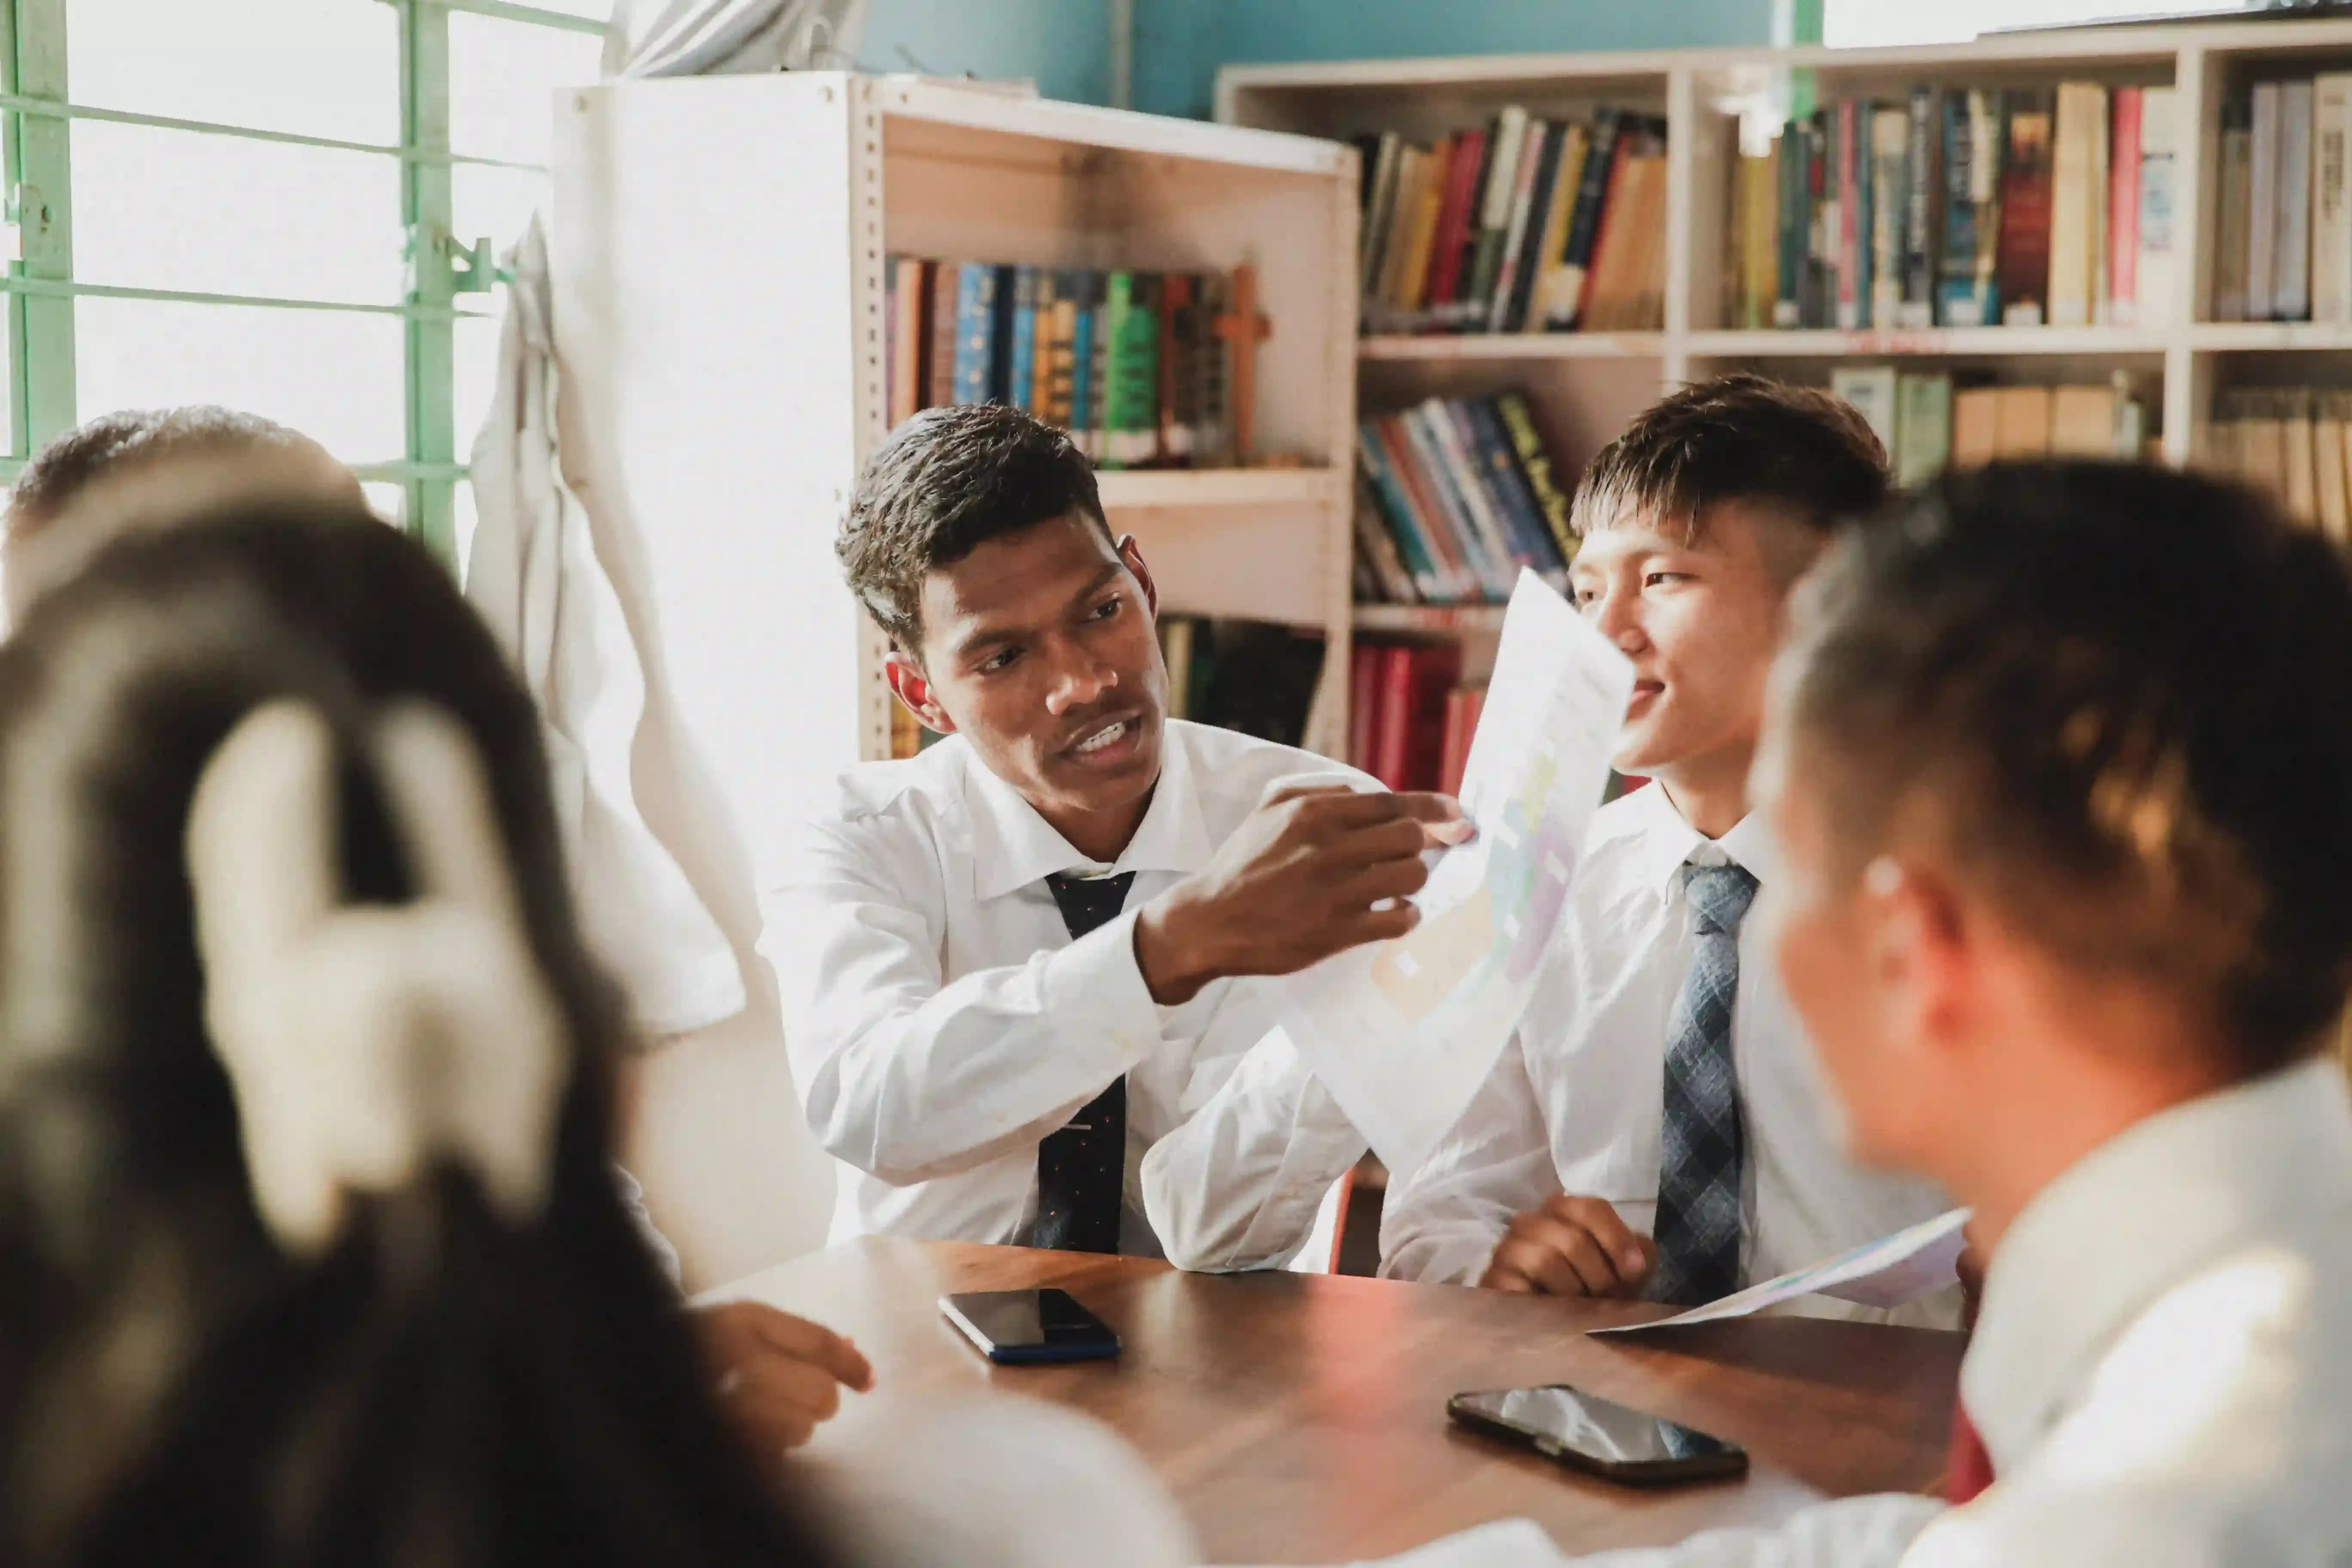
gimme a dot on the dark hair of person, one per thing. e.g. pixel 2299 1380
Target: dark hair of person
pixel 946 482
pixel 2121 697
pixel 1804 453
pixel 443 1389
pixel 120 443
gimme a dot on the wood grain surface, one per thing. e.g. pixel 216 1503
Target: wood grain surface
pixel 1301 1418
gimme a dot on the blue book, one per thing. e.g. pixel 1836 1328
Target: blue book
pixel 975 349
pixel 1087 292
pixel 1510 487
pixel 1432 583
pixel 1025 339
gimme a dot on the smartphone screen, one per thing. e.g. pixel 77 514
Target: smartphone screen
pixel 1599 1434
pixel 1031 1325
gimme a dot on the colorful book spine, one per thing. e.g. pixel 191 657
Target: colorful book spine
pixel 1923 191
pixel 2123 207
pixel 1890 161
pixel 1496 196
pixel 946 289
pixel 2233 222
pixel 1510 487
pixel 1584 224
pixel 1453 230
pixel 2025 211
pixel 1023 390
pixel 1430 580
pixel 1463 580
pixel 1957 303
pixel 1788 295
pixel 1130 418
pixel 1535 469
pixel 975 351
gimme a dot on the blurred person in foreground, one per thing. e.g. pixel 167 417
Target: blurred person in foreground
pixel 308 1252
pixel 139 470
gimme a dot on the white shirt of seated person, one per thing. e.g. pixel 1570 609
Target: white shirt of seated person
pixel 1575 1103
pixel 942 1022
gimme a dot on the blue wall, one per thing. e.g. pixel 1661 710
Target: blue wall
pixel 1179 43
pixel 1065 45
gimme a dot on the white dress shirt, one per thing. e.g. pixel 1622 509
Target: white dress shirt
pixel 941 1023
pixel 1576 1103
pixel 2162 1373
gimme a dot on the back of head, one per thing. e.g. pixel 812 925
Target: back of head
pixel 134 469
pixel 2119 697
pixel 445 1386
pixel 1795 452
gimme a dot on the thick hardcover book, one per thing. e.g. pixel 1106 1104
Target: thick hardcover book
pixel 1890 204
pixel 976 317
pixel 2123 207
pixel 1023 391
pixel 940 359
pixel 2292 300
pixel 2025 197
pixel 1535 467
pixel 1130 414
pixel 1566 299
pixel 1455 225
pixel 1921 212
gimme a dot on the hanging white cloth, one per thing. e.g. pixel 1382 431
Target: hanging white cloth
pixel 732 37
pixel 534 576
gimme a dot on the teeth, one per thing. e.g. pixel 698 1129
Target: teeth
pixel 1102 738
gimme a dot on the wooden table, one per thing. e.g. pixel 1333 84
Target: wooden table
pixel 1301 1418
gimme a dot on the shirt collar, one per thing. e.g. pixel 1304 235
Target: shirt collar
pixel 1667 842
pixel 2097 1246
pixel 1013 847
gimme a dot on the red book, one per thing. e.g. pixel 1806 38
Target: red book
pixel 1454 217
pixel 2022 264
pixel 1435 670
pixel 1457 739
pixel 1392 727
pixel 2123 210
pixel 1363 704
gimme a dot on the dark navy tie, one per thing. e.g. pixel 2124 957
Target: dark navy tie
pixel 1082 1169
pixel 1698 1227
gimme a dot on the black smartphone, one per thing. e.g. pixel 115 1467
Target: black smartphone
pixel 1017 1327
pixel 1596 1436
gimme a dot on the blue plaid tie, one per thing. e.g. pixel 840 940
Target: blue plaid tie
pixel 1698 1228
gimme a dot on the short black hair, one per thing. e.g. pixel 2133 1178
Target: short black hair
pixel 1739 438
pixel 59 472
pixel 946 482
pixel 2121 698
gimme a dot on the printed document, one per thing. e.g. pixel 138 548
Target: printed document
pixel 1894 1272
pixel 1403 1033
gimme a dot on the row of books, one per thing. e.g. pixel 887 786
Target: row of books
pixel 1927 424
pixel 2296 443
pixel 1411 715
pixel 1130 363
pixel 1964 208
pixel 1456 496
pixel 2283 241
pixel 1522 224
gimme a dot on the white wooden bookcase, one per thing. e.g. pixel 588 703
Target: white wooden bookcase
pixel 1585 386
pixel 719 256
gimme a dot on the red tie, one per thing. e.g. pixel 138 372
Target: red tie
pixel 1967 1468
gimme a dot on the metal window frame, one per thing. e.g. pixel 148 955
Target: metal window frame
pixel 39 288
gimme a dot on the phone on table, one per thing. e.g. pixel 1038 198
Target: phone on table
pixel 1598 1435
pixel 1014 1328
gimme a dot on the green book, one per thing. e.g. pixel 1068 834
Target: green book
pixel 1922 428
pixel 1131 407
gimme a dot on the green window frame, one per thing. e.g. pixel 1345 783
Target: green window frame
pixel 447 278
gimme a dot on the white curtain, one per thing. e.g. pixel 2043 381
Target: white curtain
pixel 535 575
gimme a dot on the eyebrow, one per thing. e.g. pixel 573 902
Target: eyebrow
pixel 988 639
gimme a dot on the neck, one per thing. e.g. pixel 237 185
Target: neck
pixel 2081 1095
pixel 1100 836
pixel 1711 792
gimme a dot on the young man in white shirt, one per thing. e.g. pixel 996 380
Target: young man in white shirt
pixel 2061 763
pixel 1014 967
pixel 1656 1126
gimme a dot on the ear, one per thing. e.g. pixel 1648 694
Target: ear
pixel 913 690
pixel 1131 553
pixel 1923 950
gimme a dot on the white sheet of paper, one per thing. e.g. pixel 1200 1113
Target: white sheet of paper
pixel 1901 1268
pixel 1403 1033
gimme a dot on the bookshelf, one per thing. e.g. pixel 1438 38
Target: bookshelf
pixel 1584 385
pixel 719 259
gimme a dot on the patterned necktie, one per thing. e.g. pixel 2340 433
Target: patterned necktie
pixel 1082 1169
pixel 1699 1225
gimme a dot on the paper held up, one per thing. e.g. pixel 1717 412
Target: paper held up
pixel 1892 1272
pixel 1402 1033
